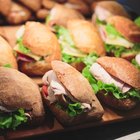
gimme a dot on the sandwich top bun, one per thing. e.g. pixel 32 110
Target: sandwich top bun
pixel 61 14
pixel 19 91
pixel 40 40
pixel 126 27
pixel 71 79
pixel 121 69
pixel 86 36
pixel 6 54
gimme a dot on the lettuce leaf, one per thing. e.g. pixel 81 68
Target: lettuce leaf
pixel 22 48
pixel 108 88
pixel 110 29
pixel 100 22
pixel 73 109
pixel 12 120
pixel 7 66
pixel 137 21
pixel 48 19
pixel 90 59
pixel 70 59
pixel 135 64
pixel 119 50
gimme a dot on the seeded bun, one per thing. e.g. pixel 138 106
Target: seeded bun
pixel 86 36
pixel 80 90
pixel 126 28
pixel 19 91
pixel 6 54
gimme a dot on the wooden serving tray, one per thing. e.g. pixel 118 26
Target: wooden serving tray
pixel 51 125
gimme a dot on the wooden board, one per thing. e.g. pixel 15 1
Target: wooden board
pixel 51 125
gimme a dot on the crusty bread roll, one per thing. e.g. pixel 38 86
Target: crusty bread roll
pixel 19 91
pixel 41 42
pixel 18 14
pixel 124 71
pixel 86 36
pixel 5 7
pixel 71 79
pixel 6 54
pixel 61 14
pixel 32 4
pixel 126 28
pixel 106 9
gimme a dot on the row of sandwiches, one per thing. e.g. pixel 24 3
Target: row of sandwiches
pixel 77 74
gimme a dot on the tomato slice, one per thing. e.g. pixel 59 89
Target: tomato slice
pixel 45 90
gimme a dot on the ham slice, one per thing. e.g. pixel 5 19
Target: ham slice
pixel 24 58
pixel 101 74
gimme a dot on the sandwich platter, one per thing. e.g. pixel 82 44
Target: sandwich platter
pixel 51 125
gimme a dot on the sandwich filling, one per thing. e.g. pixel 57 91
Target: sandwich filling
pixel 115 43
pixel 11 119
pixel 57 94
pixel 136 61
pixel 22 52
pixel 101 80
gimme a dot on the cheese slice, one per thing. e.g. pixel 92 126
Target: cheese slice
pixel 30 54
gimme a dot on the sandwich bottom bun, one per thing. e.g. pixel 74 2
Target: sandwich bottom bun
pixel 19 91
pixel 123 104
pixel 34 68
pixel 80 90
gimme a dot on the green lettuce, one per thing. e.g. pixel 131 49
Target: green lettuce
pixel 48 18
pixel 119 50
pixel 12 120
pixel 98 86
pixel 135 64
pixel 7 66
pixel 110 29
pixel 100 22
pixel 22 48
pixel 70 59
pixel 137 21
pixel 90 59
pixel 73 109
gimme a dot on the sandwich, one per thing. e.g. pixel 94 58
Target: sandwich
pixel 115 81
pixel 105 9
pixel 70 103
pixel 60 14
pixel 5 7
pixel 7 58
pixel 20 100
pixel 121 37
pixel 36 47
pixel 78 40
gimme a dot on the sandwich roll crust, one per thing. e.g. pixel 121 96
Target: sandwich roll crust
pixel 61 14
pixel 6 54
pixel 86 36
pixel 39 39
pixel 121 69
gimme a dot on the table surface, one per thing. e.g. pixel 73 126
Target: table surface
pixel 105 132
